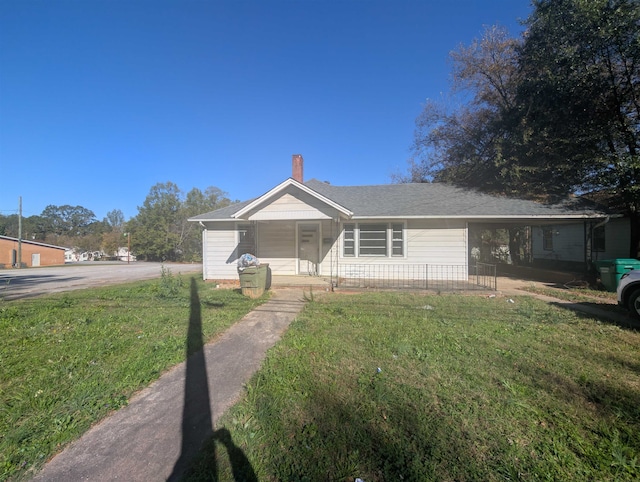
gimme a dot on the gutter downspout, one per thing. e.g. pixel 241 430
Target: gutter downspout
pixel 334 283
pixel 204 246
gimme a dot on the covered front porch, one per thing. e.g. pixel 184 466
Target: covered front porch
pixel 305 249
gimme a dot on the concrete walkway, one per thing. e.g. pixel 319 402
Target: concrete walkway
pixel 164 426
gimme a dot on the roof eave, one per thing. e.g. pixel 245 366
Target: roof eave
pixel 496 216
pixel 208 220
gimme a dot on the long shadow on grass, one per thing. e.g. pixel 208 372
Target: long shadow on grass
pixel 197 420
pixel 615 399
pixel 340 439
pixel 603 312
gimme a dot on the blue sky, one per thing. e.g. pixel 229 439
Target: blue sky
pixel 100 100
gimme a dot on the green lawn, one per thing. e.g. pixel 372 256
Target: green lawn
pixel 394 386
pixel 605 298
pixel 67 360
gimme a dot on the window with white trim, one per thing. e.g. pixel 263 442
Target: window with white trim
pixel 397 239
pixel 246 239
pixel 349 248
pixel 373 240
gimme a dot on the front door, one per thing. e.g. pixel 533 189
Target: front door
pixel 308 249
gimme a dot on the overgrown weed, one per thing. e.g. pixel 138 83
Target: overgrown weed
pixel 169 286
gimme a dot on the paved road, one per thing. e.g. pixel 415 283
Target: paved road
pixel 29 282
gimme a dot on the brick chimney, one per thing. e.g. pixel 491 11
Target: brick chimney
pixel 296 167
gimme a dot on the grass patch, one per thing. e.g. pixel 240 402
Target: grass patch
pixel 602 299
pixel 69 359
pixel 394 386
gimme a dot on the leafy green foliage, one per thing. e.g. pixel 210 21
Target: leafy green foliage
pixel 169 285
pixel 161 232
pixel 67 220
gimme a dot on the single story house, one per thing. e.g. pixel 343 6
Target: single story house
pixel 33 253
pixel 314 228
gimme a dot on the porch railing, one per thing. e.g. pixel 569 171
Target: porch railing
pixel 418 276
pixel 486 275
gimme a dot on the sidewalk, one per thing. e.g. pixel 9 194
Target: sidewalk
pixel 164 426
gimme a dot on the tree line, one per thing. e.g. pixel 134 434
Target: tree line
pixel 552 113
pixel 159 232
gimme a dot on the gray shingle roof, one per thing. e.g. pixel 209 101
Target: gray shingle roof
pixel 428 200
pixel 222 213
pixel 441 200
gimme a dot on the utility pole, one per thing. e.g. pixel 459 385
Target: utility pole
pixel 20 232
pixel 128 235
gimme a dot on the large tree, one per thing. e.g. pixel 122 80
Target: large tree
pixel 115 220
pixel 471 144
pixel 153 230
pixel 161 232
pixel 198 202
pixel 553 113
pixel 579 97
pixel 466 139
pixel 67 221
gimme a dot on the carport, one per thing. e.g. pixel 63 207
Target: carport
pixel 566 244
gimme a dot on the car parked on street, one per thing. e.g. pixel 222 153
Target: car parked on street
pixel 629 292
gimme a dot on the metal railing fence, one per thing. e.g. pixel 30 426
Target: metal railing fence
pixel 439 277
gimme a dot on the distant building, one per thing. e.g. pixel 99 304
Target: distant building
pixel 75 255
pixel 33 253
pixel 123 254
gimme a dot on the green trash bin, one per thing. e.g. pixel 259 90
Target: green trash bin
pixel 264 274
pixel 254 280
pixel 611 270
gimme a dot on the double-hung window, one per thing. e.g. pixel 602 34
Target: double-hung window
pixel 349 243
pixel 397 239
pixel 373 240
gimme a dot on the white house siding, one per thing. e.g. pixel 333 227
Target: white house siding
pixel 329 248
pixel 292 207
pixel 437 244
pixel 219 251
pixel 617 241
pixel 277 246
pixel 569 242
pixel 427 242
